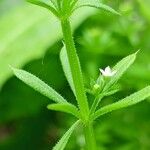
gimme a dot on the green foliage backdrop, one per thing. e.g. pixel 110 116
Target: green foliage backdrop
pixel 30 39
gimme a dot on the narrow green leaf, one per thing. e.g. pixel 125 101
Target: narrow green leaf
pixel 120 69
pixel 45 5
pixel 73 3
pixel 128 101
pixel 54 2
pixel 112 92
pixel 66 67
pixel 95 4
pixel 95 103
pixel 66 107
pixel 38 85
pixel 64 140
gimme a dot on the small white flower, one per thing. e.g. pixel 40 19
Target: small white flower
pixel 107 72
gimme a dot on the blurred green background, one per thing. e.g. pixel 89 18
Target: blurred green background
pixel 30 38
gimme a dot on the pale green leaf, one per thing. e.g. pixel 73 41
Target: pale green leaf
pixel 45 5
pixel 112 92
pixel 128 101
pixel 38 85
pixel 96 4
pixel 144 7
pixel 66 107
pixel 66 67
pixel 64 140
pixel 32 31
pixel 120 68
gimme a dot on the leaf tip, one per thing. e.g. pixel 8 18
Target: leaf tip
pixel 49 106
pixel 12 68
pixel 15 70
pixel 117 13
pixel 137 51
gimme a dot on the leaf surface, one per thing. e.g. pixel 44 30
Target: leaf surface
pixel 95 4
pixel 45 5
pixel 38 85
pixel 66 67
pixel 66 107
pixel 120 68
pixel 128 101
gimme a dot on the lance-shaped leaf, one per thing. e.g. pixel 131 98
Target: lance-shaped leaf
pixel 95 4
pixel 54 2
pixel 120 69
pixel 45 5
pixel 38 85
pixel 66 107
pixel 66 67
pixel 64 140
pixel 128 101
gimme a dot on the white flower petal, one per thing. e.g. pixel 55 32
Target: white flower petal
pixel 107 72
pixel 102 71
pixel 107 69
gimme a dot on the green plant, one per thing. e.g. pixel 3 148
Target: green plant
pixel 105 85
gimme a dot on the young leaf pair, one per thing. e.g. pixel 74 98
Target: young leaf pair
pixel 64 8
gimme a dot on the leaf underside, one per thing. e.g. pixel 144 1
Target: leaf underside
pixel 66 67
pixel 95 4
pixel 38 85
pixel 120 68
pixel 128 101
pixel 45 5
pixel 66 107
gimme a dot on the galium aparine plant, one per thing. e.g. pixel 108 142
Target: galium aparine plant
pixel 105 84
